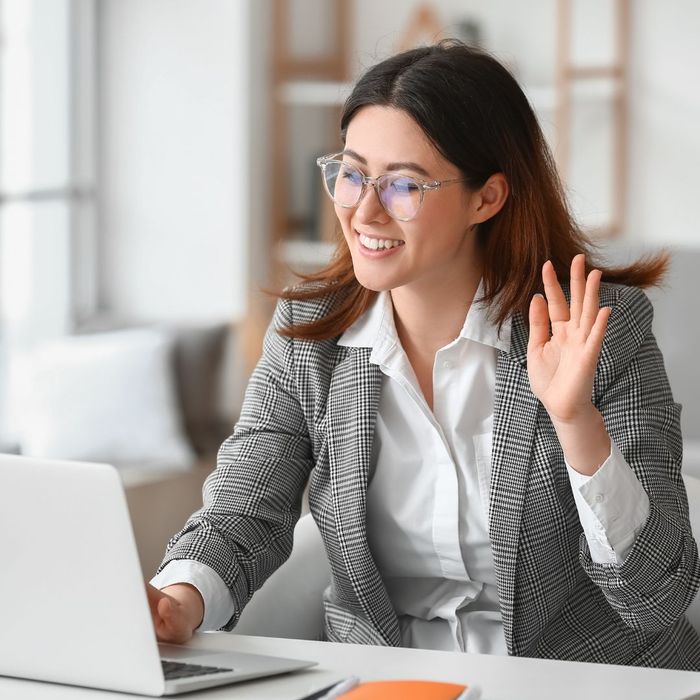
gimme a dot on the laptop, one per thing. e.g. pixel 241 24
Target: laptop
pixel 74 606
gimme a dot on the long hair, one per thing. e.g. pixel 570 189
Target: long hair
pixel 478 118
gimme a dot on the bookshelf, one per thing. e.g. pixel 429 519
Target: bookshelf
pixel 309 91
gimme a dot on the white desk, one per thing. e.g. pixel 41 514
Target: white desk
pixel 501 678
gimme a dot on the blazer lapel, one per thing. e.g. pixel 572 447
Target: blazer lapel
pixel 515 415
pixel 352 410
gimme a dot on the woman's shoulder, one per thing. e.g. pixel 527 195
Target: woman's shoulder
pixel 629 326
pixel 628 303
pixel 299 312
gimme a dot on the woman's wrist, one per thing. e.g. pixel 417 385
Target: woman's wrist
pixel 584 440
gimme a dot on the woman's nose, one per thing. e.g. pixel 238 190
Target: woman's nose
pixel 370 207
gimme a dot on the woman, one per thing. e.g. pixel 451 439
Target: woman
pixel 480 484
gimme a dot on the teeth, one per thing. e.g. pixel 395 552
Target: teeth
pixel 378 243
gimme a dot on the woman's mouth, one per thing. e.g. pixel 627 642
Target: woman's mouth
pixel 379 243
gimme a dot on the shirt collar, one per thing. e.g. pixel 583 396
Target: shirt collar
pixel 479 327
pixel 375 328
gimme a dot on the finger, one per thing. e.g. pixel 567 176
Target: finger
pixel 577 286
pixel 556 301
pixel 539 323
pixel 591 301
pixel 595 338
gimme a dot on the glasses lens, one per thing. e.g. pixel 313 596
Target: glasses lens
pixel 343 182
pixel 400 195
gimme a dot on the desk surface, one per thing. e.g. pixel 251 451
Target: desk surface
pixel 500 678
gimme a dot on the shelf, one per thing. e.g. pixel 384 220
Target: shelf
pixel 543 98
pixel 305 255
pixel 314 92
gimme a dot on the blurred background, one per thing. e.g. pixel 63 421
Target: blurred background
pixel 157 169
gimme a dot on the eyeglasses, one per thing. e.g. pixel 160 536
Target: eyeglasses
pixel 400 195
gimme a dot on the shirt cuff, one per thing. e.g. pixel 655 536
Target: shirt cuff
pixel 612 506
pixel 218 604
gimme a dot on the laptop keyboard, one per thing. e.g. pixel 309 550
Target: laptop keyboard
pixel 173 670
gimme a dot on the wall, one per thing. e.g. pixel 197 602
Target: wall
pixel 664 206
pixel 174 158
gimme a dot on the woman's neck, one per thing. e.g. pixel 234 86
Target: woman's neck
pixel 430 317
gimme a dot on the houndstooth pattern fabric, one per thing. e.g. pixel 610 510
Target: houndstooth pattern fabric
pixel 309 416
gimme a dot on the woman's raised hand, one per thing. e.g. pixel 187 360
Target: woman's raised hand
pixel 561 365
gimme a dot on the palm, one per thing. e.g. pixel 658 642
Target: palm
pixel 561 365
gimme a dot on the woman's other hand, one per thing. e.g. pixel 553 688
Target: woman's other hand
pixel 562 364
pixel 176 610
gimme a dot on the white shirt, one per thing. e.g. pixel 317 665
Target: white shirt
pixel 428 498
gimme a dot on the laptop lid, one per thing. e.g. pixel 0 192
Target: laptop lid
pixel 74 603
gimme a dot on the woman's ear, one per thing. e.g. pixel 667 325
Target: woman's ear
pixel 490 198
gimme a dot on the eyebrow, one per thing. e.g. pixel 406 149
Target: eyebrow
pixel 398 165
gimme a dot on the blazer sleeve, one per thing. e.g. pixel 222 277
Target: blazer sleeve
pixel 252 500
pixel 658 580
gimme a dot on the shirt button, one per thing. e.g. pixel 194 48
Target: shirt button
pixel 447 364
pixel 614 518
pixel 599 498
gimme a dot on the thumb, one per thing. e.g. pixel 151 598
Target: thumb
pixel 165 609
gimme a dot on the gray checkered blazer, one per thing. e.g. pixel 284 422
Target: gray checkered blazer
pixel 309 416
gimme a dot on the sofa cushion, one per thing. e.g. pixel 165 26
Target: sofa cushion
pixel 198 356
pixel 105 397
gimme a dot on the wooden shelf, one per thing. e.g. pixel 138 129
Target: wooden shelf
pixel 314 92
pixel 303 255
pixel 543 98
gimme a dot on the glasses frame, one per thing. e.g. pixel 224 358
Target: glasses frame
pixel 423 185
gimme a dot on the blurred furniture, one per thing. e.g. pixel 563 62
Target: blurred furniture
pixel 207 365
pixel 289 604
pixel 568 76
pixel 308 90
pixel 209 376
pixel 692 487
pixel 311 76
pixel 159 504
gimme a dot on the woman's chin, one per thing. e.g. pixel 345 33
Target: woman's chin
pixel 375 283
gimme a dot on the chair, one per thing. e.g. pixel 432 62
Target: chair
pixel 290 602
pixel 692 487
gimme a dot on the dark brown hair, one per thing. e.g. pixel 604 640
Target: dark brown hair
pixel 477 117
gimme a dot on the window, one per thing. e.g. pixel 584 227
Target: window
pixel 47 188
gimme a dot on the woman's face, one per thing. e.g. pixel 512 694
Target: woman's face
pixel 436 247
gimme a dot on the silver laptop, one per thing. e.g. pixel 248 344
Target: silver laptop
pixel 73 601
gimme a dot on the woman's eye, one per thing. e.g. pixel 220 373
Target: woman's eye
pixel 404 185
pixel 352 176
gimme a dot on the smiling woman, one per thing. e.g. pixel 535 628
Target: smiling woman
pixel 482 416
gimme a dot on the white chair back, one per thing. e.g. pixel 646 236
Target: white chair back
pixel 290 602
pixel 692 487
